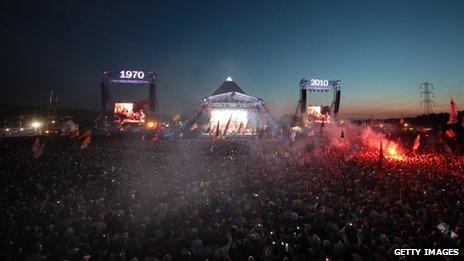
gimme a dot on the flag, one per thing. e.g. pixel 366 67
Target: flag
pixel 39 151
pixel 217 129
pixel 453 114
pixel 227 125
pixel 248 124
pixel 216 133
pixel 86 139
pixel 35 145
pixel 240 127
pixel 416 143
pixel 194 127
pixel 69 127
pixel 85 134
pixel 37 148
pixel 450 133
pixel 86 142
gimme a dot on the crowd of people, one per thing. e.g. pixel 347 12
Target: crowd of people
pixel 246 199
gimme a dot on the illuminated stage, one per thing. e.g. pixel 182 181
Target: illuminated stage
pixel 230 111
pixel 319 101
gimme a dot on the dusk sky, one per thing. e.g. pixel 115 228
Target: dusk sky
pixel 380 50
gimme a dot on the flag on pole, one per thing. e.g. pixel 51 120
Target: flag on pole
pixel 240 127
pixel 85 134
pixel 86 139
pixel 227 125
pixel 69 128
pixel 215 132
pixel 450 133
pixel 35 145
pixel 217 129
pixel 194 127
pixel 40 151
pixel 416 143
pixel 248 124
pixel 37 148
pixel 453 113
pixel 86 142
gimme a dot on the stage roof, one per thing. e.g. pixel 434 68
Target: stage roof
pixel 228 86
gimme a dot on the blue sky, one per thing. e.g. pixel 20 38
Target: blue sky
pixel 381 50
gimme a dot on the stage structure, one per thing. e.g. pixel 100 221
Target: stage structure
pixel 319 100
pixel 134 112
pixel 230 111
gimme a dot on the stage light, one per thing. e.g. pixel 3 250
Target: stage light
pixel 21 129
pixel 223 115
pixel 150 124
pixel 53 122
pixel 7 129
pixel 36 124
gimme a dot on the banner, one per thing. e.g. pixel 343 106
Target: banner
pixel 453 113
pixel 416 143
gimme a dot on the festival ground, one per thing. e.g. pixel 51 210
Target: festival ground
pixel 123 197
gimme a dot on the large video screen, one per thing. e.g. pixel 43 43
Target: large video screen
pixel 127 112
pixel 318 113
pixel 230 120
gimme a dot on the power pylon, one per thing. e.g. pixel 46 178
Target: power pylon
pixel 427 96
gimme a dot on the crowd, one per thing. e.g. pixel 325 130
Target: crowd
pixel 129 199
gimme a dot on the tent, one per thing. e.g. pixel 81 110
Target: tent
pixel 231 110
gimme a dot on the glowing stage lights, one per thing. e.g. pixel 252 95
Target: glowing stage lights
pixel 36 124
pixel 237 117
